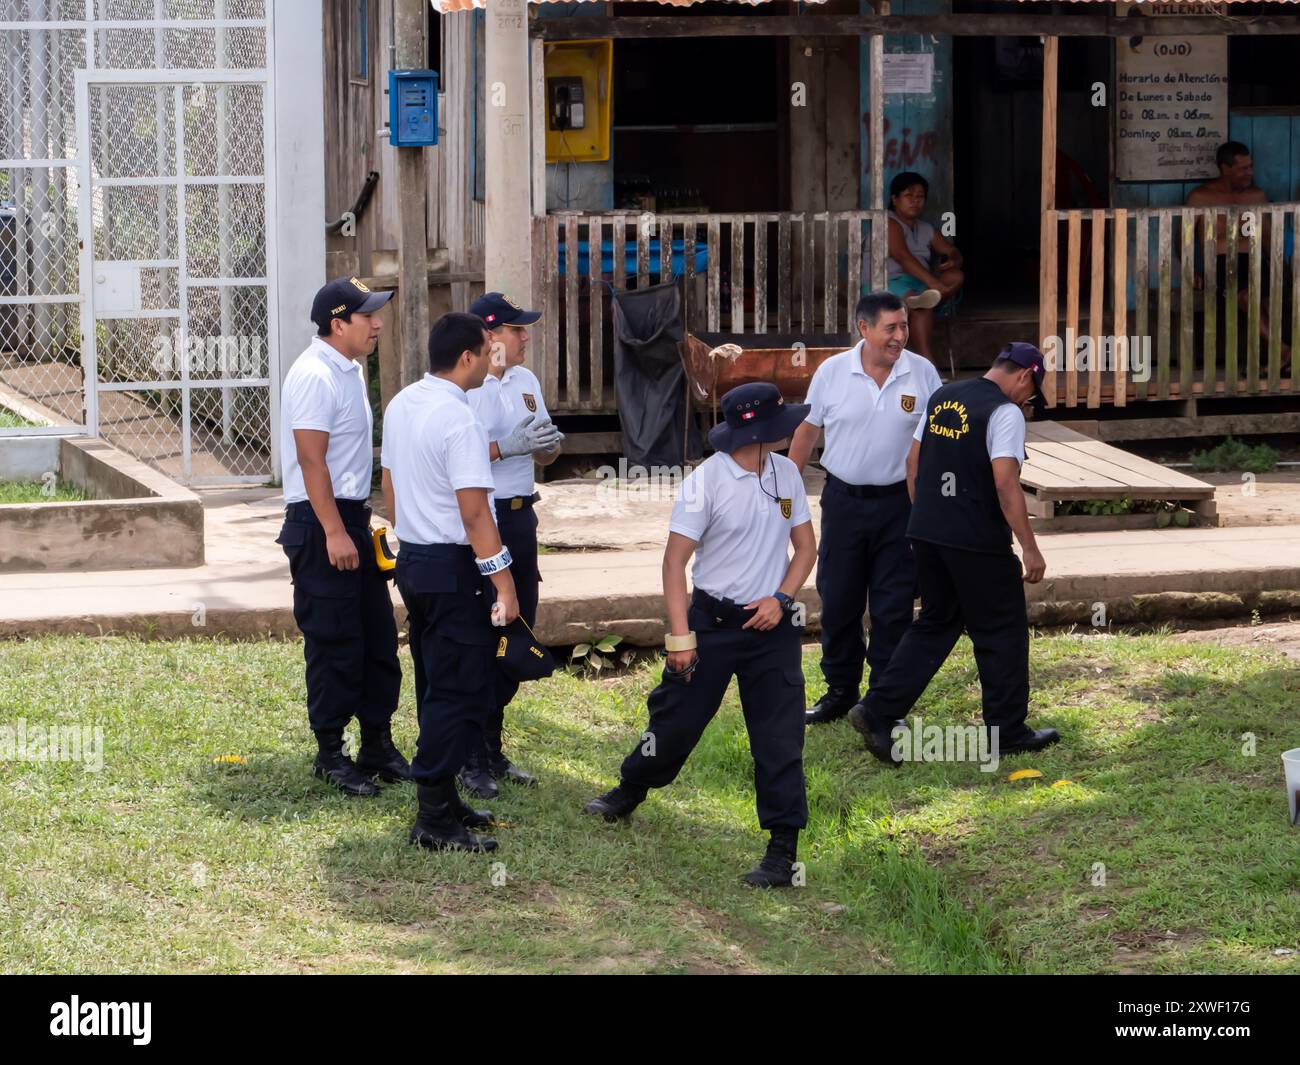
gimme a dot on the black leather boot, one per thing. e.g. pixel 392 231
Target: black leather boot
pixel 475 776
pixel 831 707
pixel 438 821
pixel 502 768
pixel 777 867
pixel 498 764
pixel 616 804
pixel 337 768
pixel 380 757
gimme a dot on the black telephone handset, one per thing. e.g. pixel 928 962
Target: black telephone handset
pixel 567 109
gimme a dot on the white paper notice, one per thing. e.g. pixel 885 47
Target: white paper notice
pixel 1173 107
pixel 910 72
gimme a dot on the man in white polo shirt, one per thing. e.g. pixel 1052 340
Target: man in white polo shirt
pixel 738 513
pixel 340 598
pixel 510 406
pixel 437 484
pixel 869 399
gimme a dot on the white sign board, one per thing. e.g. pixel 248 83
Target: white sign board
pixel 1171 108
pixel 909 72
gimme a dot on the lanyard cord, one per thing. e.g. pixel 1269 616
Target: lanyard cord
pixel 772 465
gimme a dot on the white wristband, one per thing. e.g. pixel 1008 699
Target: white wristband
pixel 496 563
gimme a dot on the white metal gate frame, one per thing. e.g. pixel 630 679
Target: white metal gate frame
pixel 84 78
pixel 180 79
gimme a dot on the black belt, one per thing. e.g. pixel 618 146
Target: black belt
pixel 435 552
pixel 723 611
pixel 354 512
pixel 866 491
pixel 518 502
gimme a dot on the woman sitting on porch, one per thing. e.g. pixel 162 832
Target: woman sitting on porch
pixel 924 269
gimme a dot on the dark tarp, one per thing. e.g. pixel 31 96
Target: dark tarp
pixel 649 377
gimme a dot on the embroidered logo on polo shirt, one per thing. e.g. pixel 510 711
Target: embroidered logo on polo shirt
pixel 909 404
pixel 501 648
pixel 787 507
pixel 530 401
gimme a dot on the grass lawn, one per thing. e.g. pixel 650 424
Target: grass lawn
pixel 168 860
pixel 10 420
pixel 35 492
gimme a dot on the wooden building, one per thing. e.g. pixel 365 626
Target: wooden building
pixel 741 157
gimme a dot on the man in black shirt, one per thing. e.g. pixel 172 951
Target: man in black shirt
pixel 964 479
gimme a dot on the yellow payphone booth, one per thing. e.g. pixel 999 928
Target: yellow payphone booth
pixel 579 101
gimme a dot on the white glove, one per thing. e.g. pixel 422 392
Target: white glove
pixel 527 438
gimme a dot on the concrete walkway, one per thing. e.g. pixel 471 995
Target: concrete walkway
pixel 601 575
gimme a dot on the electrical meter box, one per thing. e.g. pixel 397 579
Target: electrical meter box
pixel 579 100
pixel 413 108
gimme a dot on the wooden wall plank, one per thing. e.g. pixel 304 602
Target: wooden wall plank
pixel 1142 292
pixel 572 383
pixel 596 312
pixel 715 269
pixel 1073 228
pixel 1096 306
pixel 1047 302
pixel 1252 306
pixel 856 246
pixel 737 274
pixel 1187 305
pixel 1119 303
pixel 830 274
pixel 760 272
pixel 1209 301
pixel 1164 265
pixel 1277 238
pixel 1231 371
pixel 784 270
pixel 551 320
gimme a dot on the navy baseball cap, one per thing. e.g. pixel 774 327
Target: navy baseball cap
pixel 1025 355
pixel 496 308
pixel 345 295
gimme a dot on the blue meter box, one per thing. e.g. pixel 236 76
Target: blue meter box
pixel 413 108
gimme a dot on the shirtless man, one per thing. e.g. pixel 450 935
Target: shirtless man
pixel 1235 187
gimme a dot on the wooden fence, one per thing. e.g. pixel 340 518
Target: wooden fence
pixel 1148 280
pixel 757 274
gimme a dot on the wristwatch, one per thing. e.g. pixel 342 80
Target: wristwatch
pixel 786 602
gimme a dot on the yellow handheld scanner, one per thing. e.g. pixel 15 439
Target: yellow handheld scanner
pixel 384 557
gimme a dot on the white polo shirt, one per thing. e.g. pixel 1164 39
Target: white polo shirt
pixel 1004 436
pixel 869 427
pixel 433 445
pixel 743 536
pixel 326 390
pixel 501 404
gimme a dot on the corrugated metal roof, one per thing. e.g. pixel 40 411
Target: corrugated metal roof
pixel 445 6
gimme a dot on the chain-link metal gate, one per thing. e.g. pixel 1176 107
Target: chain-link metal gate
pixel 138 150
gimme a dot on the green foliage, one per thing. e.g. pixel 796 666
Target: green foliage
pixel 1232 455
pixel 597 654
pixel 37 492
